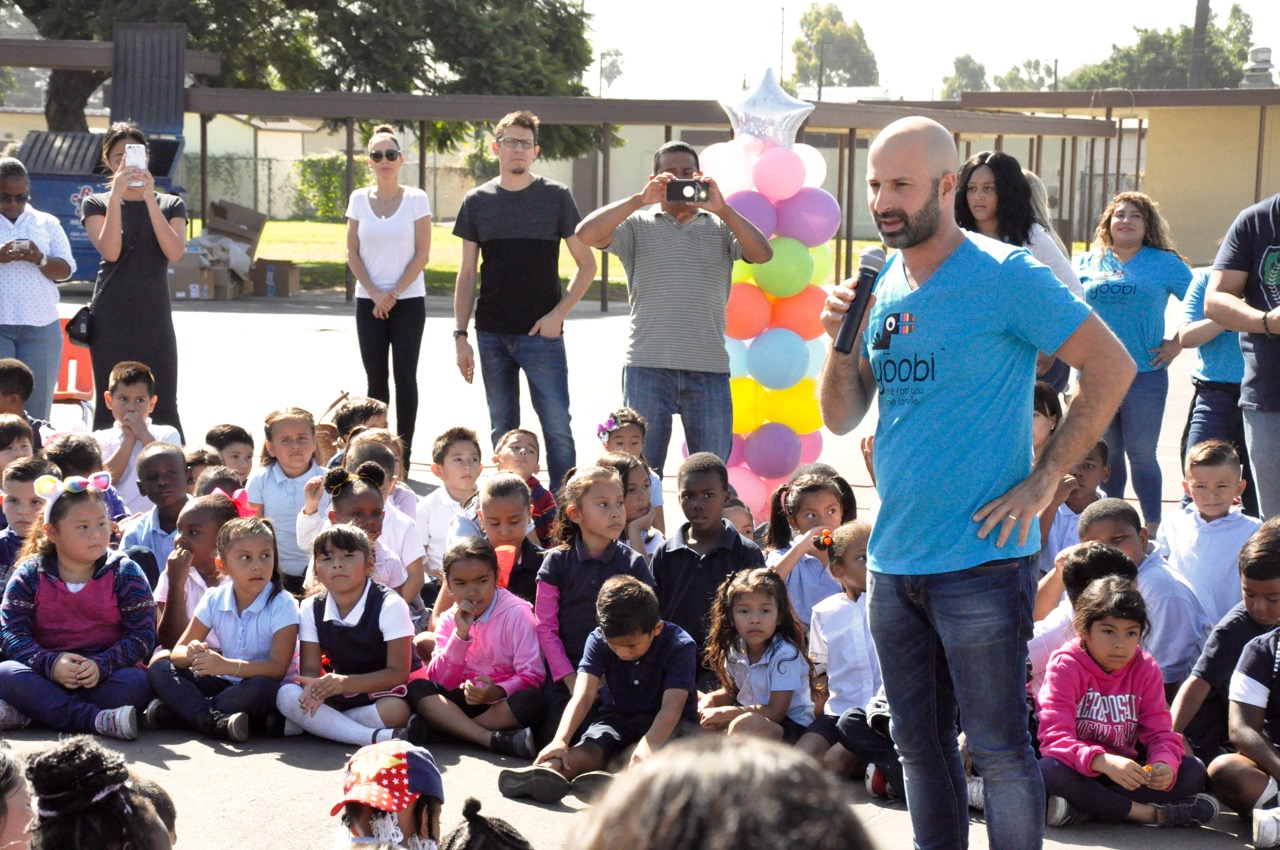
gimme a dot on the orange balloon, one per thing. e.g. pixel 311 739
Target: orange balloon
pixel 801 313
pixel 747 313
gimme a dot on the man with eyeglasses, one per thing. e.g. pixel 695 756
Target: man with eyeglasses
pixel 679 260
pixel 511 229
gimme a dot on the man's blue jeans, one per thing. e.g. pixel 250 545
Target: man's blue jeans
pixel 701 398
pixel 546 368
pixel 953 647
pixel 1133 435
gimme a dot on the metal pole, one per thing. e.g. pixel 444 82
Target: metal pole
pixel 350 187
pixel 1062 179
pixel 1039 154
pixel 255 167
pixel 1088 198
pixel 1106 163
pixel 1119 150
pixel 1262 141
pixel 841 240
pixel 422 158
pixel 850 175
pixel 204 169
pixel 1137 162
pixel 1071 198
pixel 1000 141
pixel 666 133
pixel 606 139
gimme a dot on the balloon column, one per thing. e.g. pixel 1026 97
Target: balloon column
pixel 773 329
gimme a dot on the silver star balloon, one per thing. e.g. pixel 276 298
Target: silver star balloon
pixel 767 112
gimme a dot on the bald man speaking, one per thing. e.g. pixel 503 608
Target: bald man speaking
pixel 948 346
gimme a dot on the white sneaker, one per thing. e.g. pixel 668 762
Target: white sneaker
pixel 120 723
pixel 1266 827
pixel 11 718
pixel 977 800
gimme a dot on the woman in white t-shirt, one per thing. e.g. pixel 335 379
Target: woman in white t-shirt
pixel 388 244
pixel 994 198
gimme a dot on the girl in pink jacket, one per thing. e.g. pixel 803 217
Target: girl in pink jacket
pixel 1106 736
pixel 484 680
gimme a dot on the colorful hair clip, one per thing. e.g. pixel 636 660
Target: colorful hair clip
pixel 239 498
pixel 603 431
pixel 822 540
pixel 51 489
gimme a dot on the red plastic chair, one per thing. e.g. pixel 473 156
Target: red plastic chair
pixel 75 379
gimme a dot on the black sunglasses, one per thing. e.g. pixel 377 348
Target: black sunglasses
pixel 391 155
pixel 15 199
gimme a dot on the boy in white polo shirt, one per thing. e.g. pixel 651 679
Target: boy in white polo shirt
pixel 131 396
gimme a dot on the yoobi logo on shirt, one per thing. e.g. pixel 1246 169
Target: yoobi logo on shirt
pixel 894 323
pixel 887 370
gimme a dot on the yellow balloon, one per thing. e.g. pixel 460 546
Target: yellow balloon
pixel 742 271
pixel 796 407
pixel 824 263
pixel 748 404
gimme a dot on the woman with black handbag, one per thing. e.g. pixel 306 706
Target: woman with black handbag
pixel 138 232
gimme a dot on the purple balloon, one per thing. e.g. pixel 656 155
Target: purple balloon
pixel 773 450
pixel 735 454
pixel 755 208
pixel 810 216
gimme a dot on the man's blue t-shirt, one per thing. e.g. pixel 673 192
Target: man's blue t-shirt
pixel 1219 360
pixel 955 364
pixel 1131 297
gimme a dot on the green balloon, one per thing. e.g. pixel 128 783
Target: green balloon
pixel 789 271
pixel 824 263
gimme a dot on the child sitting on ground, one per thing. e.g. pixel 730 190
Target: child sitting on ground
pixel 78 454
pixel 161 477
pixel 218 689
pixel 234 446
pixel 397 494
pixel 131 396
pixel 504 515
pixel 1179 625
pixel 517 451
pixel 649 665
pixel 1203 540
pixel 198 460
pixel 1103 698
pixel 17 383
pixel 23 507
pixel 741 518
pixel 78 621
pixel 1078 490
pixel 638 532
pixel 484 682
pixel 356 412
pixel 455 460
pixel 756 646
pixel 391 792
pixel 625 431
pixel 191 569
pixel 691 566
pixel 478 832
pixel 15 440
pixel 1201 707
pixel 801 514
pixel 844 658
pixel 276 487
pixel 221 478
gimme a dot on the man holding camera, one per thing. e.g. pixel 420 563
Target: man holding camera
pixel 679 263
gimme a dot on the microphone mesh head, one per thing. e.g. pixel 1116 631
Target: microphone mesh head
pixel 873 258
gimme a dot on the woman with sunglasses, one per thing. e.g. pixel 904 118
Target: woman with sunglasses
pixel 388 245
pixel 34 254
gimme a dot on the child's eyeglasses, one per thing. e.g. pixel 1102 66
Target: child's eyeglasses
pixel 391 155
pixel 15 199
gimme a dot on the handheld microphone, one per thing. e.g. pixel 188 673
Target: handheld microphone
pixel 869 266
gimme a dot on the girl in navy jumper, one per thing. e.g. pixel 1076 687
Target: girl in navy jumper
pixel 365 631
pixel 77 621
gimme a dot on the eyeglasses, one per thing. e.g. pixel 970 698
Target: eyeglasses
pixel 15 199
pixel 512 144
pixel 391 155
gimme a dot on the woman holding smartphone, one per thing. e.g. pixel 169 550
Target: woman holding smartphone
pixel 388 244
pixel 34 254
pixel 138 232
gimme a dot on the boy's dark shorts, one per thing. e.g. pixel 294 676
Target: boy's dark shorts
pixel 824 725
pixel 613 731
pixel 528 705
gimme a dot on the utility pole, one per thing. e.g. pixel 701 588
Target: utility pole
pixel 822 66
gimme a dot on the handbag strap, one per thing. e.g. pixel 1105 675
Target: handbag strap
pixel 111 274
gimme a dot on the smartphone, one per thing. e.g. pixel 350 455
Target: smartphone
pixel 21 246
pixel 689 191
pixel 135 156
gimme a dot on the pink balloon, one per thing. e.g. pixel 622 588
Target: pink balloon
pixel 729 165
pixel 810 216
pixel 810 447
pixel 778 173
pixel 771 485
pixel 749 144
pixel 750 489
pixel 755 208
pixel 736 457
pixel 684 450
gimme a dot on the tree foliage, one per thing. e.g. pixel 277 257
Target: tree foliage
pixel 1031 75
pixel 969 75
pixel 537 47
pixel 840 49
pixel 1161 59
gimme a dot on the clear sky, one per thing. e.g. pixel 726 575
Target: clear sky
pixel 702 49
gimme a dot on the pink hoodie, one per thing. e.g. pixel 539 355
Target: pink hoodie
pixel 503 645
pixel 1086 711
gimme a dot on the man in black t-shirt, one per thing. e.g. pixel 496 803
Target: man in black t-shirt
pixel 511 229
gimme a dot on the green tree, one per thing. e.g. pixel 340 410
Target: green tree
pixel 1161 59
pixel 1031 75
pixel 839 48
pixel 970 75
pixel 419 46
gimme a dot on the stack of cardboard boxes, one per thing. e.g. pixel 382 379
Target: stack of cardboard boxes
pixel 208 271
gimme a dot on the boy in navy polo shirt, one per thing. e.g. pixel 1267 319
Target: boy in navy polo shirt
pixel 649 665
pixel 691 565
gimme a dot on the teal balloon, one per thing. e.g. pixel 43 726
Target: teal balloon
pixel 789 271
pixel 778 358
pixel 737 349
pixel 817 355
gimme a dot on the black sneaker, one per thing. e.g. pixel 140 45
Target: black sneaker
pixel 160 716
pixel 418 732
pixel 590 785
pixel 537 781
pixel 518 743
pixel 224 727
pixel 1193 811
pixel 268 725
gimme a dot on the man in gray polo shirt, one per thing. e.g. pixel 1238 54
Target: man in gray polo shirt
pixel 679 261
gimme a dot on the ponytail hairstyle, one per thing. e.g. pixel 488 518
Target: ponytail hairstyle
pixel 343 484
pixel 786 502
pixel 1113 596
pixel 284 414
pixel 723 637
pixel 478 832
pixel 38 544
pixel 576 485
pixel 83 798
pixel 250 526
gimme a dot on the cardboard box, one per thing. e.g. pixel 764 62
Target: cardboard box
pixel 184 274
pixel 213 284
pixel 284 274
pixel 240 223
